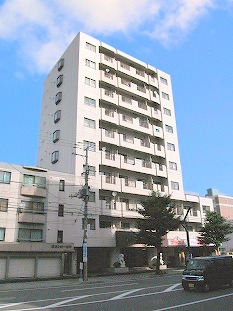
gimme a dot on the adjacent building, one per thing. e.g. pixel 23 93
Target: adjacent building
pixel 110 116
pixel 223 204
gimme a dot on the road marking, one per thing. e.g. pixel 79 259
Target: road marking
pixel 126 293
pixel 193 302
pixel 58 304
pixel 77 289
pixel 169 289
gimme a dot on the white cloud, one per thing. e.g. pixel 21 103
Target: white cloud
pixel 43 29
pixel 180 17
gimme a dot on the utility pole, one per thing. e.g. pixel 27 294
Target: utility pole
pixel 184 225
pixel 85 222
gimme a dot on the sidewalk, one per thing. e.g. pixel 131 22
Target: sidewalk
pixel 102 276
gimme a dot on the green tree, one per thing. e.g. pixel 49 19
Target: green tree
pixel 159 218
pixel 215 230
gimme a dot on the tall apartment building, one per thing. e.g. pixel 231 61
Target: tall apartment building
pixel 121 109
pixel 110 116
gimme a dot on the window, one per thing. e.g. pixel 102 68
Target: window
pixel 108 202
pixel 109 133
pixel 108 58
pixel 146 163
pixel 90 47
pixel 55 157
pixel 126 118
pixel 30 180
pixel 34 207
pixel 90 82
pixel 205 208
pixel 57 116
pixel 109 93
pixel 110 179
pixel 60 210
pixel 140 72
pixel 105 224
pixel 91 170
pixel 145 142
pixel 89 101
pixel 91 196
pixel 167 111
pixel 174 185
pixel 125 225
pixel 125 66
pixel 165 95
pixel 110 155
pixel 2 234
pixel 62 185
pixel 56 136
pixel 108 75
pixel 129 159
pixel 141 88
pixel 3 205
pixel 143 122
pixel 160 166
pixel 109 112
pixel 147 185
pixel 163 80
pixel 88 144
pixel 34 235
pixel 59 80
pixel 90 223
pixel 170 146
pixel 90 64
pixel 59 236
pixel 130 182
pixel 169 128
pixel 142 105
pixel 5 177
pixel 128 138
pixel 172 166
pixel 58 98
pixel 60 64
pixel 89 123
pixel 126 82
pixel 126 99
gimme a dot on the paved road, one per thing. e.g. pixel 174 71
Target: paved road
pixel 140 292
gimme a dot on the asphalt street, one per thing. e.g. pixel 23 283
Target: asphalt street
pixel 139 292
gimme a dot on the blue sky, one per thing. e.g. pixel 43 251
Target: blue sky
pixel 192 40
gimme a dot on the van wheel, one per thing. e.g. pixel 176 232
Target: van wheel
pixel 186 288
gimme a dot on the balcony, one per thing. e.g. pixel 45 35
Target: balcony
pixel 110 140
pixel 31 218
pixel 110 183
pixel 153 81
pixel 110 160
pixel 108 61
pixel 109 96
pixel 109 115
pixel 108 77
pixel 33 191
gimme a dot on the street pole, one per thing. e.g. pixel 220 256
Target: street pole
pixel 85 222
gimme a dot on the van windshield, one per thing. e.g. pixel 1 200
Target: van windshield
pixel 195 264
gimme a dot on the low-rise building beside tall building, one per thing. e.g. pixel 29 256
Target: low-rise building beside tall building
pixel 223 204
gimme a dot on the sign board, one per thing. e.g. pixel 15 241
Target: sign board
pixel 85 252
